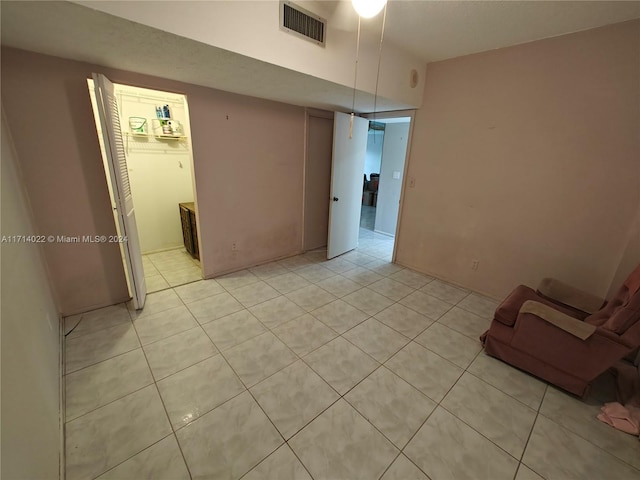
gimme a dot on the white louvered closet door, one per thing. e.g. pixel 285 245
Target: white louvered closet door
pixel 117 162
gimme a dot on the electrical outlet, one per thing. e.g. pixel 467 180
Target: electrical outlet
pixel 475 264
pixel 234 247
pixel 412 182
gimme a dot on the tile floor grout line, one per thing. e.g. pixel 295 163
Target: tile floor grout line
pixel 108 403
pixel 398 331
pixel 166 412
pixel 570 430
pixel 269 376
pixel 182 427
pixel 533 425
pixel 480 433
pixel 392 462
pixel 173 334
pixel 269 330
pixel 104 360
pixel 415 433
pixel 248 390
pixel 80 335
pixel 129 458
pixel 92 332
pixel 297 457
pixel 160 396
pixel 473 374
pixel 435 353
pixel 429 416
pixel 314 348
pixel 371 423
pixel 183 369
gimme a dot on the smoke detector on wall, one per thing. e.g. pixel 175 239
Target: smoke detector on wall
pixel 302 23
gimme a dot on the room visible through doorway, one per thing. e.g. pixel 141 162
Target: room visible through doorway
pixel 382 182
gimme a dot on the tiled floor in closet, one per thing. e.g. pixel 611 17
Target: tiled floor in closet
pixel 170 268
pixel 352 368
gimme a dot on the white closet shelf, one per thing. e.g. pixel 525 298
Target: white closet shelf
pixel 150 135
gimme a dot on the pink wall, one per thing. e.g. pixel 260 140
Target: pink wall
pixel 630 257
pixel 527 159
pixel 248 167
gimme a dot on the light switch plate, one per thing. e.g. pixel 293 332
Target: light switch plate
pixel 396 175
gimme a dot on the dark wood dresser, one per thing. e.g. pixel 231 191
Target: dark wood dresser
pixel 189 230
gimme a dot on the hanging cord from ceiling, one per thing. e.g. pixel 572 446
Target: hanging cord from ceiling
pixel 375 97
pixel 355 82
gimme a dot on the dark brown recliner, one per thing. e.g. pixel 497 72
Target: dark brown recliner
pixel 563 335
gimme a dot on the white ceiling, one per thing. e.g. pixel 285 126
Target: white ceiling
pixel 437 30
pixel 432 30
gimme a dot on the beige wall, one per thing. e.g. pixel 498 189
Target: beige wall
pixel 526 159
pixel 248 163
pixel 30 336
pixel 394 152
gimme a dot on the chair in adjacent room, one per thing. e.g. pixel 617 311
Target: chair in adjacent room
pixel 563 335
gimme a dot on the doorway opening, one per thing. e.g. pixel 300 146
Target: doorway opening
pixel 155 131
pixel 384 166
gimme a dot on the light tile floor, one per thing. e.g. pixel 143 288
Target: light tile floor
pixel 170 268
pixel 305 368
pixel 367 217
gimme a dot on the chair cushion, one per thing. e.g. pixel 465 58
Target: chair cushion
pixel 619 314
pixel 623 310
pixel 507 311
pixel 622 320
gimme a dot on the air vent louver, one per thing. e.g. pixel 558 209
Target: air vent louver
pixel 303 23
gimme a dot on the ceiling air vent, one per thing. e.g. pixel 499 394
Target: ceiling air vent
pixel 301 22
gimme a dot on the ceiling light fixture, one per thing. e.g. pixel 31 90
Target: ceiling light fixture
pixel 368 8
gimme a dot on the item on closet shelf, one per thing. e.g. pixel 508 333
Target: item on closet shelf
pixel 159 113
pixel 138 125
pixel 165 111
pixel 166 128
pixel 176 127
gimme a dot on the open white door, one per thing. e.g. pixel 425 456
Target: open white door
pixel 117 163
pixel 347 172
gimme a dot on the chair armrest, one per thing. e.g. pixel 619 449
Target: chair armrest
pixel 585 359
pixel 568 295
pixel 571 325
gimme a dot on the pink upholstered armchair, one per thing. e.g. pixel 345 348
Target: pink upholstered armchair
pixel 563 335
